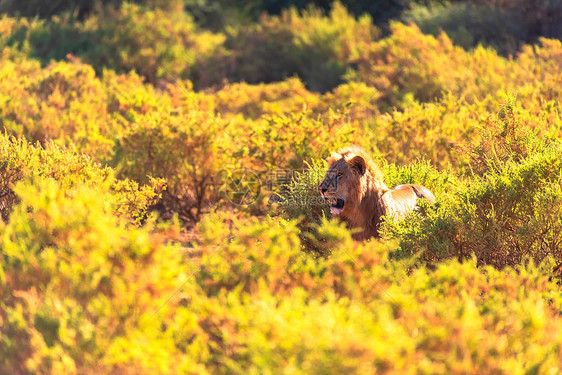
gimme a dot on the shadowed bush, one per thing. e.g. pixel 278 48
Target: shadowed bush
pixel 177 148
pixel 314 47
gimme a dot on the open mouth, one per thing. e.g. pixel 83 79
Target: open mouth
pixel 337 203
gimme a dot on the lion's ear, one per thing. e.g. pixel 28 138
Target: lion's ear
pixel 359 164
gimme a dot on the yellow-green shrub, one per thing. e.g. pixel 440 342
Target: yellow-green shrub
pixel 429 131
pixel 82 291
pixel 471 23
pixel 355 311
pixel 411 63
pixel 288 141
pixel 254 101
pixel 68 104
pixel 74 279
pixel 186 149
pixel 62 102
pixel 19 160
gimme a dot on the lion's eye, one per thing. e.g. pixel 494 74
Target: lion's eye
pixel 340 174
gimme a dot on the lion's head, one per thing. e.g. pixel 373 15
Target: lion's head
pixel 357 194
pixel 351 174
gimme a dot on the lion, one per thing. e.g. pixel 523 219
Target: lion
pixel 356 192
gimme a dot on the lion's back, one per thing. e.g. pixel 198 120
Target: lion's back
pixel 402 199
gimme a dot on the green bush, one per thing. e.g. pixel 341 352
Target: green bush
pixel 314 47
pixel 78 8
pixel 508 210
pixel 298 198
pixel 155 43
pixel 471 24
pixel 45 9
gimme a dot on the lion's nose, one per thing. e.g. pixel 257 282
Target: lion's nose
pixel 323 190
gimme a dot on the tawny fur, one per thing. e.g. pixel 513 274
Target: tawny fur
pixel 354 178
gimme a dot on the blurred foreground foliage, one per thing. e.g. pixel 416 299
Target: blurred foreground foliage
pixel 84 290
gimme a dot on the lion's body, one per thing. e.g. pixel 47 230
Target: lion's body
pixel 359 196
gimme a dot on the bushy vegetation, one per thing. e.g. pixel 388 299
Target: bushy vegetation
pixel 158 188
pixel 505 25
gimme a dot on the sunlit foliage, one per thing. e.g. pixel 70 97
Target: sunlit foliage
pixel 159 204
